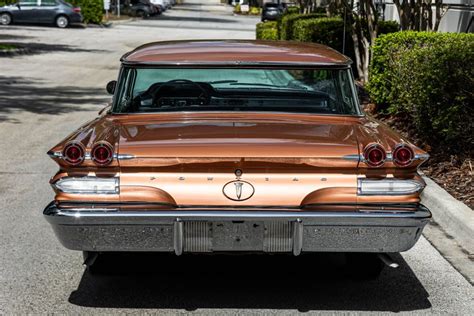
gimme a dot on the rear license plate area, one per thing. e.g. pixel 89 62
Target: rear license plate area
pixel 222 236
pixel 238 236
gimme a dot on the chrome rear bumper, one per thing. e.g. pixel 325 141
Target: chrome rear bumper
pixel 260 230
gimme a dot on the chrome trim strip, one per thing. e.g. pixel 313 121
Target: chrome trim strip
pixel 127 156
pixel 87 156
pixel 421 157
pixel 389 157
pixel 355 157
pixel 73 217
pixel 124 156
pixel 240 64
pixel 55 154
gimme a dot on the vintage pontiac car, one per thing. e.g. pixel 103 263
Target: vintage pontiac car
pixel 236 147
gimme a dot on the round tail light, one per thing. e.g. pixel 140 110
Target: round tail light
pixel 375 155
pixel 403 155
pixel 102 154
pixel 74 153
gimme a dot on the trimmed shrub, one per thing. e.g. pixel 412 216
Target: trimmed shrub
pixel 385 27
pixel 384 50
pixel 427 78
pixel 255 11
pixel 91 10
pixel 327 31
pixel 287 21
pixel 270 34
pixel 237 9
pixel 292 10
pixel 7 2
pixel 267 30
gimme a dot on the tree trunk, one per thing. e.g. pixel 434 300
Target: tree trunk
pixel 440 11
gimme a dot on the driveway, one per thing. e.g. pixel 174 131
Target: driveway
pixel 59 86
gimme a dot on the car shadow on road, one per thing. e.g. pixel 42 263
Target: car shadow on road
pixel 21 94
pixel 12 37
pixel 304 283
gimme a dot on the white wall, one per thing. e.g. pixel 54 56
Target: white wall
pixel 455 20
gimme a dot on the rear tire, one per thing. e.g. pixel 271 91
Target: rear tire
pixel 62 21
pixel 5 19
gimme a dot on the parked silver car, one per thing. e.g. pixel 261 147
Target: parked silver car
pixel 58 12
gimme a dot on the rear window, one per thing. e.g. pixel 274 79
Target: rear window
pixel 322 91
pixel 28 3
pixel 48 3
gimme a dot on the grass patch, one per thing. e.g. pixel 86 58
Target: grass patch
pixel 7 46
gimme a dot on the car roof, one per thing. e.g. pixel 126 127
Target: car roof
pixel 235 53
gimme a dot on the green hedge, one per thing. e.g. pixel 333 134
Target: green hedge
pixel 92 10
pixel 291 10
pixel 428 79
pixel 327 31
pixel 385 27
pixel 287 21
pixel 267 30
pixel 7 2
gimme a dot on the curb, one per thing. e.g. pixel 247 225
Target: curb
pixel 117 22
pixel 454 217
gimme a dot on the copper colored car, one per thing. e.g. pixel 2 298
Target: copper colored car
pixel 236 147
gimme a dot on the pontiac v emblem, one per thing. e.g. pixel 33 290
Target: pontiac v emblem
pixel 238 190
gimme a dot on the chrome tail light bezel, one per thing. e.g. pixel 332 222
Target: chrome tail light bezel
pixel 67 159
pixel 397 162
pixel 367 151
pixel 102 144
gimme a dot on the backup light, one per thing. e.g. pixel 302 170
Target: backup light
pixel 88 185
pixel 388 187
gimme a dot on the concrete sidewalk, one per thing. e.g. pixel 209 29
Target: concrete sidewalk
pixel 451 230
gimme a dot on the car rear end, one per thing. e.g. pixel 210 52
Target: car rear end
pixel 148 201
pixel 271 11
pixel 236 159
pixel 73 13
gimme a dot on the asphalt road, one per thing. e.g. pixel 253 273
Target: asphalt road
pixel 60 85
